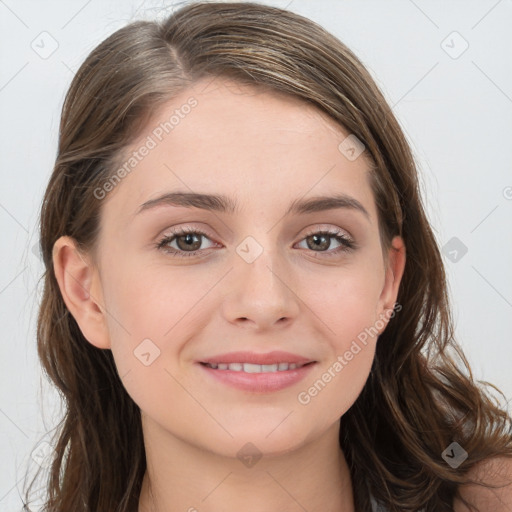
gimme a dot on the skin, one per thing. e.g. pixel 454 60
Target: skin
pixel 265 150
pixel 495 472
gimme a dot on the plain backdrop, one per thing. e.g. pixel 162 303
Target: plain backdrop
pixel 445 69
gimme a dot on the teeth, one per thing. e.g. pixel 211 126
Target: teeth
pixel 254 368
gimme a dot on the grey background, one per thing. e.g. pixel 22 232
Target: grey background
pixel 454 107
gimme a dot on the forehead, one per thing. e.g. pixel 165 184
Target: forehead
pixel 219 136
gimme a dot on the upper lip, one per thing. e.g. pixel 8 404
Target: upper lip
pixel 257 358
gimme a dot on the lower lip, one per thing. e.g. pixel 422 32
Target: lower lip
pixel 264 382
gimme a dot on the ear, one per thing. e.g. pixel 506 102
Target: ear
pixel 80 287
pixel 394 272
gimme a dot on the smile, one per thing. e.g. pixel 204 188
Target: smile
pixel 255 368
pixel 256 372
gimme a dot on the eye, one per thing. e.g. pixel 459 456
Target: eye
pixel 185 238
pixel 188 242
pixel 322 240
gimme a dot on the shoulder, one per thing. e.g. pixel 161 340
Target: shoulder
pixel 497 472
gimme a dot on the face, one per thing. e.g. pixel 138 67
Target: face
pixel 183 281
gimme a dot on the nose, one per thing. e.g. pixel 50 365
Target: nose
pixel 260 293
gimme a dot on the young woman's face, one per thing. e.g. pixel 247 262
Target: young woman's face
pixel 254 276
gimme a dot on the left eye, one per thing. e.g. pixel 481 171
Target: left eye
pixel 321 239
pixel 189 241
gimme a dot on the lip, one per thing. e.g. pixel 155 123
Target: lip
pixel 264 382
pixel 276 356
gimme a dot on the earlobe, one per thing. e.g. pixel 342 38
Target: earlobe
pixel 79 285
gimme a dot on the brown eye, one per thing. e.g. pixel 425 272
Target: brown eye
pixel 187 242
pixel 321 241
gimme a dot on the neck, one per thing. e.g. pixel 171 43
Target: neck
pixel 184 477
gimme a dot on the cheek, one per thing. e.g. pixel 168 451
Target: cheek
pixel 151 302
pixel 348 311
pixel 152 314
pixel 338 380
pixel 336 385
pixel 347 305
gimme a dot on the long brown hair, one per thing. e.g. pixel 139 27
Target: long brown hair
pixel 420 395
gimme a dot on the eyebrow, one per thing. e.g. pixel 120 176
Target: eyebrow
pixel 225 204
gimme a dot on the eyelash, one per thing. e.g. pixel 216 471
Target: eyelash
pixel 347 244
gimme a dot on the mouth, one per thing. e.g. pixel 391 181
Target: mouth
pixel 257 373
pixel 256 368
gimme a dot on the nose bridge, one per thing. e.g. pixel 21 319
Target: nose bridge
pixel 261 290
pixel 258 262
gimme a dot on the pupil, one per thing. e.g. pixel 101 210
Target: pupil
pixel 189 242
pixel 318 242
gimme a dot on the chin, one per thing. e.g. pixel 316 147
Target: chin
pixel 269 437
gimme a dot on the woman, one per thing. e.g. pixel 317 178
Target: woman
pixel 244 304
